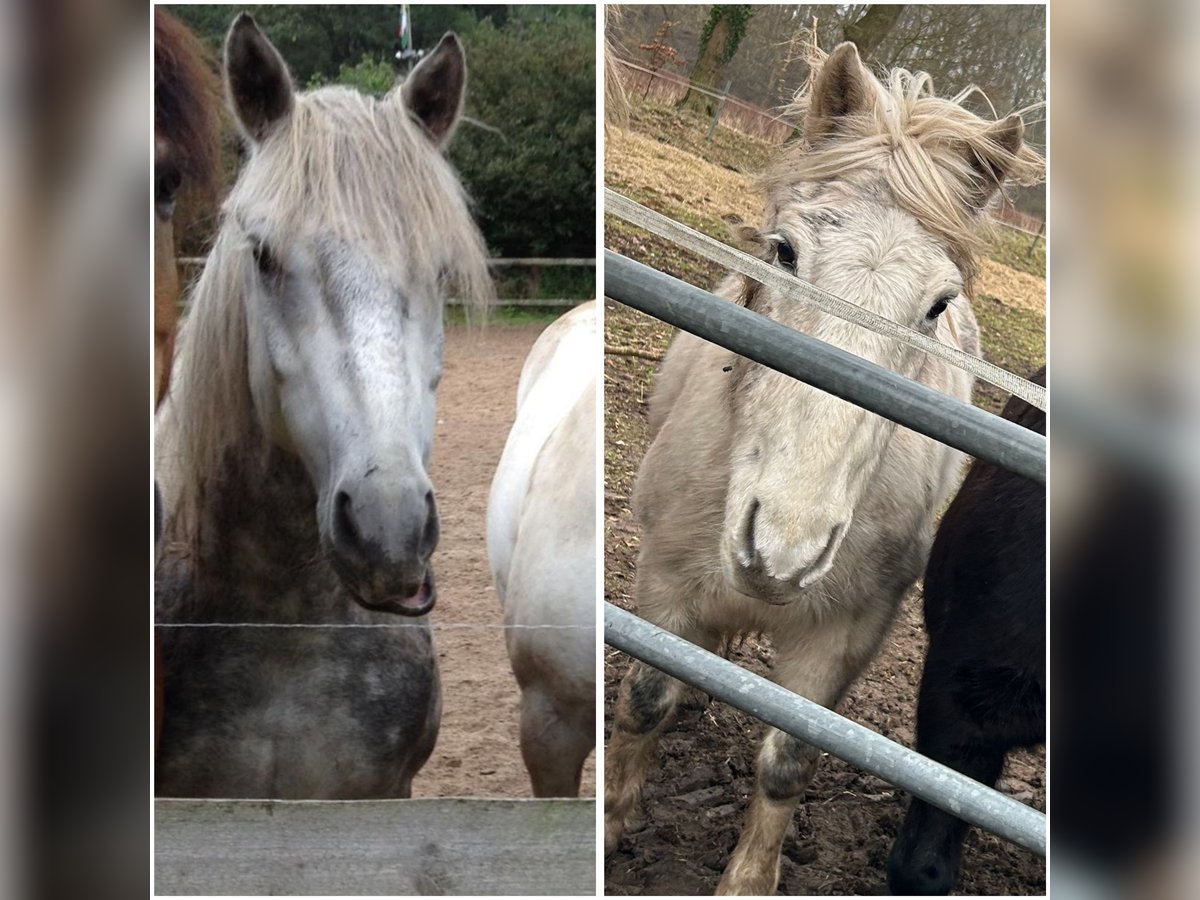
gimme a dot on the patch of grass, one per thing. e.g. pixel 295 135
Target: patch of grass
pixel 505 316
pixel 661 254
pixel 713 226
pixel 687 130
pixel 545 282
pixel 679 176
pixel 1012 248
pixel 666 256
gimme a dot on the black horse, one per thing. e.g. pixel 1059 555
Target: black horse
pixel 983 691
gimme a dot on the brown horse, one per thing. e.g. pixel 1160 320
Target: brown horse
pixel 186 143
pixel 186 150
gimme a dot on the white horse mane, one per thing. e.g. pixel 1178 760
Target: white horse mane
pixel 344 164
pixel 920 145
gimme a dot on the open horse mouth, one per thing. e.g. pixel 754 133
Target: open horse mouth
pixel 416 605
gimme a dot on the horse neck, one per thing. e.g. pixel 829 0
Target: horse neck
pixel 256 555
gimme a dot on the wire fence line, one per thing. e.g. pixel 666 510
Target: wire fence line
pixel 1012 226
pixel 797 289
pixel 340 626
pixel 718 95
pixel 495 261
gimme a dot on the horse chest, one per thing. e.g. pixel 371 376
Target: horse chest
pixel 303 714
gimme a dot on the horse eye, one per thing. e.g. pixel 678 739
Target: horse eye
pixel 166 183
pixel 787 256
pixel 939 307
pixel 167 180
pixel 264 258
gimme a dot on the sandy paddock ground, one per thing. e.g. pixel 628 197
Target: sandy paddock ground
pixel 477 754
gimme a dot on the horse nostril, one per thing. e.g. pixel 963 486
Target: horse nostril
pixel 345 529
pixel 825 556
pixel 748 536
pixel 431 532
pixel 827 553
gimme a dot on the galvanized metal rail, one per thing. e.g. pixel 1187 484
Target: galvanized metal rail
pixel 931 781
pixel 826 367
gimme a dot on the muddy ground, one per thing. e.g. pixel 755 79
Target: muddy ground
pixel 477 754
pixel 695 800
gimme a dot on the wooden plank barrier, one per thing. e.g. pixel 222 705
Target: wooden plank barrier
pixel 409 847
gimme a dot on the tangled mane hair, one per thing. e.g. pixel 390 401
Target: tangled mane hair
pixel 616 101
pixel 348 165
pixel 186 101
pixel 939 161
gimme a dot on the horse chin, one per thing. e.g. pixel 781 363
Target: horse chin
pixel 764 590
pixel 418 604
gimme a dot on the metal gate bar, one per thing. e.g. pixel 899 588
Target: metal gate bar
pixel 931 781
pixel 826 367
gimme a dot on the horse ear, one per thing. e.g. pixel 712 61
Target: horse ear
pixel 433 93
pixel 256 78
pixel 992 158
pixel 842 89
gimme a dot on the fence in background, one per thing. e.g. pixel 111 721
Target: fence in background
pixel 668 88
pixel 191 264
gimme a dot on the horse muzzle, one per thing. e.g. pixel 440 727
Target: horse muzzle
pixel 380 544
pixel 417 603
pixel 768 565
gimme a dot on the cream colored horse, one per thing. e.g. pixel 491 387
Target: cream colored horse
pixel 542 549
pixel 767 505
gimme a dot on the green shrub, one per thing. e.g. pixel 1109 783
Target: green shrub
pixel 534 182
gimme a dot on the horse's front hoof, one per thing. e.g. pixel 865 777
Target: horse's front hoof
pixel 614 829
pixel 745 881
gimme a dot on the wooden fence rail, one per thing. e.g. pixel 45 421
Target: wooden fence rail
pixel 195 262
pixel 406 847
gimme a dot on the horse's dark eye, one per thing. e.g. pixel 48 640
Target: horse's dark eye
pixel 167 180
pixel 264 258
pixel 939 307
pixel 787 256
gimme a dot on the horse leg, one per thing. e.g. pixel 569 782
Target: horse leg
pixel 925 857
pixel 819 665
pixel 554 749
pixel 646 700
pixel 926 854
